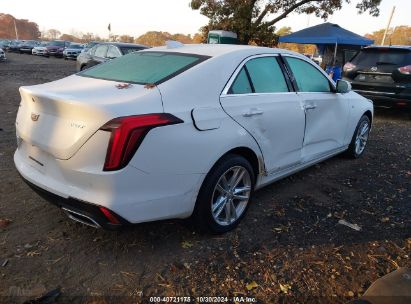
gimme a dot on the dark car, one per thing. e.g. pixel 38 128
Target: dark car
pixel 72 51
pixel 14 46
pixel 382 74
pixel 56 48
pixel 106 51
pixel 27 46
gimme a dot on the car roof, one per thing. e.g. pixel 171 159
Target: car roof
pixel 216 50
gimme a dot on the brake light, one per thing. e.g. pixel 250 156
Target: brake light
pixel 349 67
pixel 127 134
pixel 405 70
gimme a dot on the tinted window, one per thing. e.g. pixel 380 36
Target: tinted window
pixel 241 84
pixel 266 75
pixel 383 56
pixel 308 78
pixel 144 67
pixel 101 51
pixel 57 43
pixel 113 52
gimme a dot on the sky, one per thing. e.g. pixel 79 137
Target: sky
pixel 135 17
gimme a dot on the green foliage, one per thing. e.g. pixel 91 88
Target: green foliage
pixel 254 20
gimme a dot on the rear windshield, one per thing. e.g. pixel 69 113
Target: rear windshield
pixel 127 49
pixel 144 67
pixel 375 57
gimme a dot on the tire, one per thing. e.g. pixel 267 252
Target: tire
pixel 360 138
pixel 216 192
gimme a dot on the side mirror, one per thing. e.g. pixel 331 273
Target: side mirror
pixel 343 86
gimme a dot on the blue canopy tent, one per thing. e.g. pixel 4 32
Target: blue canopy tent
pixel 327 34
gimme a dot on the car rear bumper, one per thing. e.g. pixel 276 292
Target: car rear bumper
pixel 77 210
pixel 131 194
pixel 387 99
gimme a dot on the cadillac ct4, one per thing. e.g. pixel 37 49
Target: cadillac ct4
pixel 182 131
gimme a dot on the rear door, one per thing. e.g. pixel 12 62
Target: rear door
pixel 326 112
pixel 259 97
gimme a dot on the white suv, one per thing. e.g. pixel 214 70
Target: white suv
pixel 182 131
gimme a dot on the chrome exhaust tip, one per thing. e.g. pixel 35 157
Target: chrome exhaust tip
pixel 81 218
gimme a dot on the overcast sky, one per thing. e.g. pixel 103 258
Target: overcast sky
pixel 135 17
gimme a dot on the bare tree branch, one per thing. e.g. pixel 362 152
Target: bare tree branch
pixel 290 10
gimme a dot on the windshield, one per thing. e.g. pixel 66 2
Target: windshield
pixel 383 56
pixel 144 67
pixel 75 46
pixel 57 43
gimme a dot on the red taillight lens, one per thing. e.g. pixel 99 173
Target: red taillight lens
pixel 349 67
pixel 111 218
pixel 127 133
pixel 405 70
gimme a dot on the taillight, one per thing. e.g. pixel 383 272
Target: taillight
pixel 127 133
pixel 405 70
pixel 349 67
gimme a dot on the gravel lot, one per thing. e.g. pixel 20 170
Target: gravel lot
pixel 289 247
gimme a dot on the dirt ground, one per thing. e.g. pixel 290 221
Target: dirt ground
pixel 289 248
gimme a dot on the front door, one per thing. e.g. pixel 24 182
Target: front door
pixel 326 111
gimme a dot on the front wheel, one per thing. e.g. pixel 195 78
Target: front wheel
pixel 360 138
pixel 225 195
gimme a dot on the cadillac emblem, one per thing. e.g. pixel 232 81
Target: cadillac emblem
pixel 35 117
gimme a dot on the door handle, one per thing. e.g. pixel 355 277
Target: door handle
pixel 310 107
pixel 253 112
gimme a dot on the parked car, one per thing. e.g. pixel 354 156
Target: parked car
pixel 4 43
pixel 383 74
pixel 89 45
pixel 105 51
pixel 2 55
pixel 14 46
pixel 182 131
pixel 55 48
pixel 27 46
pixel 41 49
pixel 72 51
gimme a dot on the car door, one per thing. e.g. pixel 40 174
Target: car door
pixel 326 111
pixel 259 97
pixel 99 55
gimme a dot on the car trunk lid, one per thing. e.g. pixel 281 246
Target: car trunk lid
pixel 59 117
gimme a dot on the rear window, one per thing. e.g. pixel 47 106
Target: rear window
pixel 128 50
pixel 144 67
pixel 375 57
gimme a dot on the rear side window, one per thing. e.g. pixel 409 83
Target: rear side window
pixel 144 67
pixel 260 75
pixel 241 84
pixel 308 77
pixel 383 56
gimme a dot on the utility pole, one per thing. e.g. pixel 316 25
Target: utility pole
pixel 15 29
pixel 388 26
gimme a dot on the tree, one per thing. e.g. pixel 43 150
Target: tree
pixel 25 29
pixel 399 35
pixel 53 33
pixel 126 38
pixel 254 20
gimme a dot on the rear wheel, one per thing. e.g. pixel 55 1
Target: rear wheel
pixel 225 195
pixel 360 138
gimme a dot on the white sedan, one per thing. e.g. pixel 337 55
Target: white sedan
pixel 181 131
